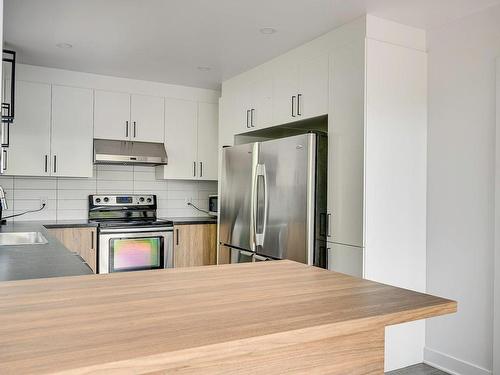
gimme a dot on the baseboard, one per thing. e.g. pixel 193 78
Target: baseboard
pixel 451 364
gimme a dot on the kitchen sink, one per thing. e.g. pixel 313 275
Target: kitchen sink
pixel 22 238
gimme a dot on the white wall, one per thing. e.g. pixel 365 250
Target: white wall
pixel 68 197
pixel 395 183
pixel 460 204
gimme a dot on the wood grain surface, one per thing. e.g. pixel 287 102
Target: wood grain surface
pixel 79 240
pixel 195 245
pixel 266 317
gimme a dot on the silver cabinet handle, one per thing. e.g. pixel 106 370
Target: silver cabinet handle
pixel 328 225
pixel 126 129
pixel 46 163
pixel 4 160
pixel 55 163
pixel 252 111
pixel 248 116
pixel 201 169
pixel 298 104
pixel 6 134
pixel 177 236
pixel 293 105
pixel 135 126
pixel 194 169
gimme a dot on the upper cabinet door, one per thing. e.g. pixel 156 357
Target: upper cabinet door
pixel 285 90
pixel 181 140
pixel 147 116
pixel 312 97
pixel 71 145
pixel 241 104
pixel 208 120
pixel 261 111
pixel 29 150
pixel 112 115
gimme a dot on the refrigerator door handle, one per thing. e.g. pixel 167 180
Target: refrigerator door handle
pixel 259 236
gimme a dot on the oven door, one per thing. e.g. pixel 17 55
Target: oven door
pixel 135 249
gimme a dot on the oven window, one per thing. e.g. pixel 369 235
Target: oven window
pixel 132 254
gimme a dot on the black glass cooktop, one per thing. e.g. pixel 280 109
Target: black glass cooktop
pixel 106 223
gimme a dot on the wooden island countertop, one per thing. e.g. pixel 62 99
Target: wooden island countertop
pixel 256 318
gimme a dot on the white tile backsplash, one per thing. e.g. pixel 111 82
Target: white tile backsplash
pixel 34 183
pixel 68 197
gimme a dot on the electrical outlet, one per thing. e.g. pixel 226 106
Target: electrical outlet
pixel 44 201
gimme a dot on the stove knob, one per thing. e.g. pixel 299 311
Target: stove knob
pixel 141 199
pixel 98 200
pixel 106 199
pixel 149 200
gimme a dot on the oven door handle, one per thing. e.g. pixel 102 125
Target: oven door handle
pixel 135 230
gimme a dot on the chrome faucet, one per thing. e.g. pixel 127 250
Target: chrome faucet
pixel 3 204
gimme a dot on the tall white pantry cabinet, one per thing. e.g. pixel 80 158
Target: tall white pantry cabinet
pixel 372 76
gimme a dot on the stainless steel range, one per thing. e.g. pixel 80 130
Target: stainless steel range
pixel 131 237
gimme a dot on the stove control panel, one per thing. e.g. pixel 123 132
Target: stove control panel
pixel 123 200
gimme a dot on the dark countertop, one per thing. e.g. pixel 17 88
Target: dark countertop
pixel 68 224
pixel 192 220
pixel 20 262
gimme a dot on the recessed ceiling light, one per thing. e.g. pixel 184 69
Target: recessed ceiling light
pixel 204 68
pixel 268 30
pixel 64 45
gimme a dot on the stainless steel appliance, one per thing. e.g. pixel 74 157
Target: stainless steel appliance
pixel 213 205
pixel 131 237
pixel 273 200
pixel 107 151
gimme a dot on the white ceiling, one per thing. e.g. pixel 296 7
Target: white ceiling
pixel 166 40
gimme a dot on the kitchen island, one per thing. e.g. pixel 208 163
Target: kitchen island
pixel 256 318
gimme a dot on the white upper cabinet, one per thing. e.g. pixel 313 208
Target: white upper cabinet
pixel 71 140
pixel 261 99
pixel 241 104
pixel 312 97
pixel 111 115
pixel 52 133
pixel 29 150
pixel 285 90
pixel 191 137
pixel 251 105
pixel 208 121
pixel 147 118
pixel 300 89
pixel 121 116
pixel 181 140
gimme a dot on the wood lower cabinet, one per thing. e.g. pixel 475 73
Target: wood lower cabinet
pixel 195 245
pixel 79 240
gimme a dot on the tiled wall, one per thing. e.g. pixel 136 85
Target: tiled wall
pixel 68 197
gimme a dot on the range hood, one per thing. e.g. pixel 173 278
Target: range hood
pixel 108 151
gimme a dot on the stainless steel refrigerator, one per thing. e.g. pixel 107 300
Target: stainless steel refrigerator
pixel 273 200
